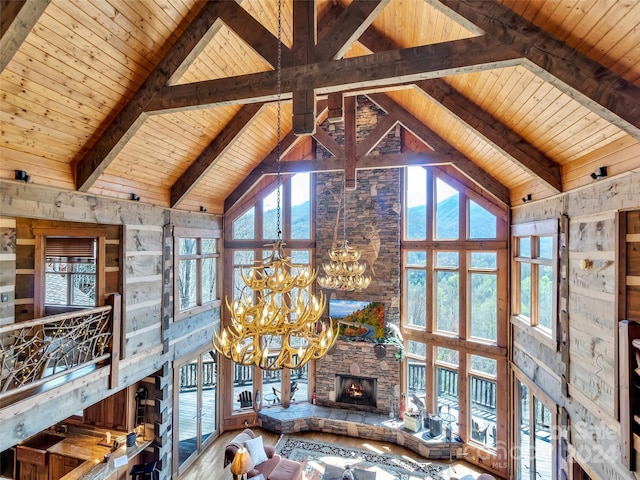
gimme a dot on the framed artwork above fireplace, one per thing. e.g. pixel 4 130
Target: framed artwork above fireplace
pixel 358 319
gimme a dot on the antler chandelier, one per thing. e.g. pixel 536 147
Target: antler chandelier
pixel 275 320
pixel 344 271
pixel 281 329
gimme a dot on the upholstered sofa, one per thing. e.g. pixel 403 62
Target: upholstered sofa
pixel 274 467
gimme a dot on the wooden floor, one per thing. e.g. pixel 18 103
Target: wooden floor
pixel 209 464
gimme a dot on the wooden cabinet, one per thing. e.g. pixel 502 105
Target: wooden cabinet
pixel 59 465
pixel 32 471
pixel 629 350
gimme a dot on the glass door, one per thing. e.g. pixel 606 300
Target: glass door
pixel 537 457
pixel 196 425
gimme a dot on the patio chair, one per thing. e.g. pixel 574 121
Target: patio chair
pixel 245 399
pixel 478 433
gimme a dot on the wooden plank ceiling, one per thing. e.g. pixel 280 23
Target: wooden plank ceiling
pixel 175 100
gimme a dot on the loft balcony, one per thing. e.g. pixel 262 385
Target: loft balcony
pixel 42 353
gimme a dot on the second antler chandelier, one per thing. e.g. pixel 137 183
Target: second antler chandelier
pixel 344 272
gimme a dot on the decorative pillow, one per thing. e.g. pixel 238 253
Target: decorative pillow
pixel 256 450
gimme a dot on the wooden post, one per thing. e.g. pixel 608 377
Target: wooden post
pixel 115 300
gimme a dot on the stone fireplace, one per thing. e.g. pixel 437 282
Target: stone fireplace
pixel 350 376
pixel 356 390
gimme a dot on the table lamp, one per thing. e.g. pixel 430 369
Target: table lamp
pixel 242 463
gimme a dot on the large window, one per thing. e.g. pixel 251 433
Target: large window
pixel 454 262
pixel 252 231
pixel 196 282
pixel 535 247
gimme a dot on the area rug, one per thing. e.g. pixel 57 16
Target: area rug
pixel 315 455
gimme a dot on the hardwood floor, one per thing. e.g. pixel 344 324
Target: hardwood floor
pixel 209 464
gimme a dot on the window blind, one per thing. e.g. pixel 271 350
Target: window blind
pixel 70 247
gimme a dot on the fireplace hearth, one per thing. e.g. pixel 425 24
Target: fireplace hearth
pixel 356 390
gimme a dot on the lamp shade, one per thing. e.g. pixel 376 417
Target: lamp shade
pixel 242 462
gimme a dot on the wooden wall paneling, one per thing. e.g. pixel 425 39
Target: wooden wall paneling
pixel 7 269
pixel 144 285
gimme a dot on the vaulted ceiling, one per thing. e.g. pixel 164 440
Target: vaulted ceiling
pixel 176 100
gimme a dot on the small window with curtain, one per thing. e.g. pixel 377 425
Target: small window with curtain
pixel 71 271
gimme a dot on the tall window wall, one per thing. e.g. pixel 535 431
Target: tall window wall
pixel 454 320
pixel 253 228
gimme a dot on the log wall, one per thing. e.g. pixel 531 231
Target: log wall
pixel 590 370
pixel 139 265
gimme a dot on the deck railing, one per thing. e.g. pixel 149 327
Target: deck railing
pixel 37 351
pixel 483 392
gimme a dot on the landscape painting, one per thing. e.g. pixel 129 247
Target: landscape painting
pixel 358 319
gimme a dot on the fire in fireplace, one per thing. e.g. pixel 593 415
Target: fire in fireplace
pixel 356 390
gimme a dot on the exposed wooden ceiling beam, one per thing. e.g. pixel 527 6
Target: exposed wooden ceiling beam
pixel 214 151
pixel 383 126
pixel 384 68
pixel 286 144
pixel 17 18
pixel 347 28
pixel 254 33
pixel 494 132
pixel 470 169
pixel 368 162
pixel 132 116
pixel 350 142
pixel 594 86
pixel 304 45
pixel 328 142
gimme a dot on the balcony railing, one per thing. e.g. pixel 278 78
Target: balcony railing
pixel 38 351
pixel 483 392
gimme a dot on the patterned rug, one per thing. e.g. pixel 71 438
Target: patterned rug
pixel 315 455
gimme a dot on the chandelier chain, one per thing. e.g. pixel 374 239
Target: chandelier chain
pixel 279 114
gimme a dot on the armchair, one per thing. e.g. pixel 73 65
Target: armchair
pixel 273 468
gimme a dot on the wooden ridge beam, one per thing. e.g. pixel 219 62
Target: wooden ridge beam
pixel 494 132
pixel 17 19
pixel 573 73
pixel 470 169
pixel 254 33
pixel 214 151
pixel 379 69
pixel 132 116
pixel 347 28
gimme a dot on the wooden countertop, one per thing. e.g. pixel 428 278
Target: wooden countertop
pixel 97 469
pixel 83 447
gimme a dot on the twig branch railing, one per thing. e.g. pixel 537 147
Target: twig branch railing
pixel 37 351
